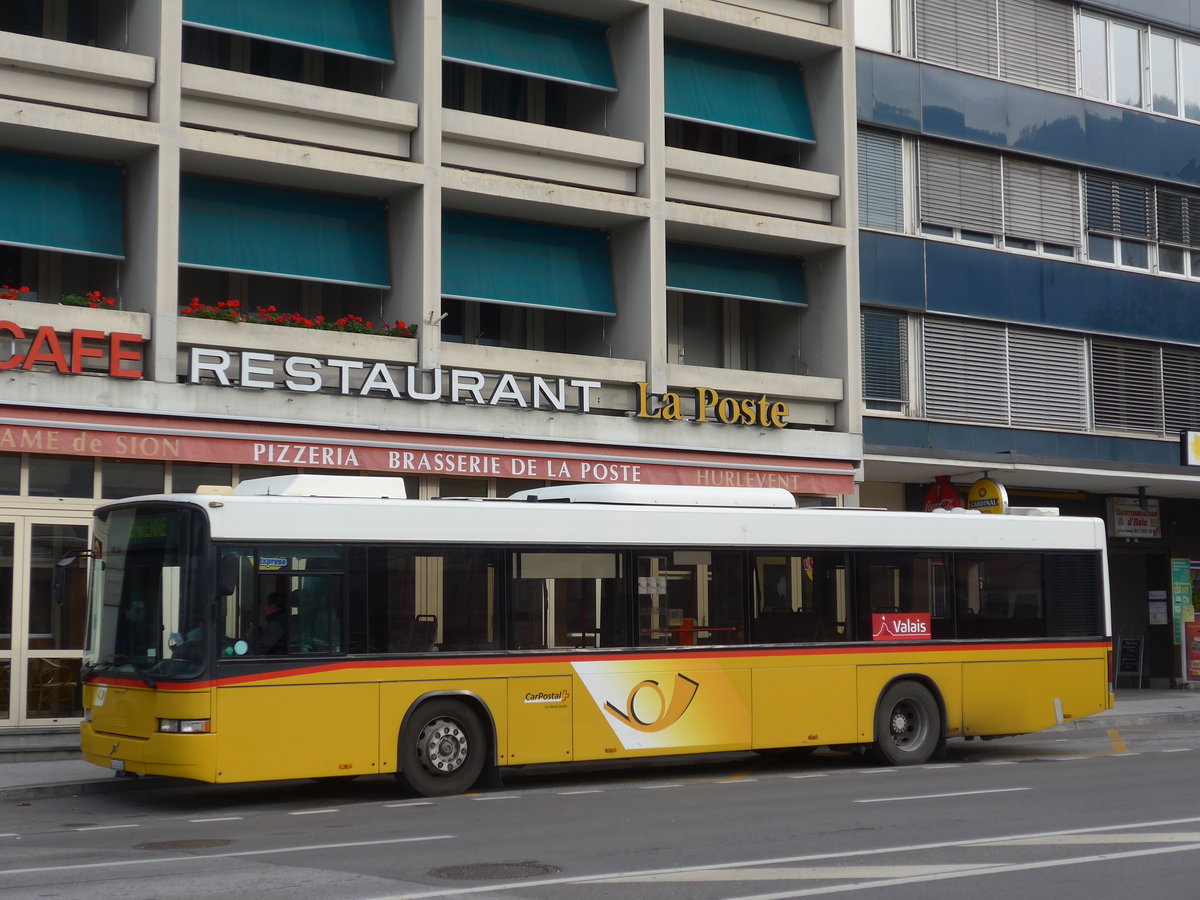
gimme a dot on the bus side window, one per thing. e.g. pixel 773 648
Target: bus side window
pixel 799 598
pixel 567 599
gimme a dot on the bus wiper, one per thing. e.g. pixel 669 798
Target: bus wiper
pixel 141 673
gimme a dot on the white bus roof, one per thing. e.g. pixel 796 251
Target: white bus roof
pixel 252 516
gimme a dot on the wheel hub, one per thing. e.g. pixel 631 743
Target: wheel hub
pixel 443 746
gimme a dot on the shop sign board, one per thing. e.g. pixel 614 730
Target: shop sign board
pixel 1127 518
pixel 1189 448
pixel 943 495
pixel 987 496
pixel 81 351
pixel 1181 597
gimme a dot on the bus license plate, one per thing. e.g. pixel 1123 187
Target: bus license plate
pixel 118 765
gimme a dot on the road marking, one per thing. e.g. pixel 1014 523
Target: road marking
pixel 659 787
pixel 875 771
pixel 1001 762
pixel 117 863
pixel 1179 750
pixel 736 779
pixel 313 812
pixel 408 803
pixel 219 819
pixel 941 766
pixel 497 797
pixel 813 775
pixel 1150 837
pixel 776 861
pixel 939 796
pixel 105 827
pixel 573 793
pixel 791 873
pixel 1118 742
pixel 1067 758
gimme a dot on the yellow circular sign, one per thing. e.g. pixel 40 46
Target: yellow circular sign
pixel 987 496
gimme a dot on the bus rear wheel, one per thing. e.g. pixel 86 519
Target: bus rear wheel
pixel 442 749
pixel 908 725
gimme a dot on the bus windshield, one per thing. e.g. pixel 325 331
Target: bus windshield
pixel 144 614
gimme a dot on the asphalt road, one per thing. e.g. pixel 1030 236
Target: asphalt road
pixel 1087 814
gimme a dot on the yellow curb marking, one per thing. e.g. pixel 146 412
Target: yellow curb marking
pixel 1118 742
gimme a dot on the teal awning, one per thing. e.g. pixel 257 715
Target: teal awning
pixel 349 27
pixel 733 90
pixel 730 273
pixel 527 43
pixel 526 264
pixel 61 204
pixel 272 231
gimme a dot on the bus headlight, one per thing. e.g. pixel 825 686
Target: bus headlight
pixel 185 726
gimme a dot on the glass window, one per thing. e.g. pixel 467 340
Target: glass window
pixel 904 583
pixel 1000 595
pixel 1189 77
pixel 186 477
pixel 248 473
pixel 61 476
pixel 1127 65
pixel 1014 243
pixel 53 691
pixel 799 597
pixel 1093 39
pixel 690 597
pixel 10 473
pixel 1101 248
pixel 462 487
pixel 938 230
pixel 419 601
pixel 5 687
pixel 56 622
pixel 978 237
pixel 120 478
pixel 1162 74
pixel 1172 260
pixel 1195 263
pixel 1135 255
pixel 287 600
pixel 6 591
pixel 568 599
pixel 1059 250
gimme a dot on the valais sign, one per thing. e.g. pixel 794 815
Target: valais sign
pixel 900 627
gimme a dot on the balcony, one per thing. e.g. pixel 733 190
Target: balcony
pixel 706 179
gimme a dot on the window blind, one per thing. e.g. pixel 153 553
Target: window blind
pixel 880 181
pixel 965 371
pixel 884 358
pixel 1119 207
pixel 1127 387
pixel 960 188
pixel 1037 43
pixel 1041 202
pixel 957 33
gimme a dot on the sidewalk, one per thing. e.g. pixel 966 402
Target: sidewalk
pixel 68 777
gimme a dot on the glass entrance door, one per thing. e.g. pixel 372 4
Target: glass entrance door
pixel 41 630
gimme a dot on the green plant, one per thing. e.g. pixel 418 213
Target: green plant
pixel 230 311
pixel 92 300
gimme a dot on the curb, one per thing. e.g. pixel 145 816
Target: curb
pixel 1182 717
pixel 69 789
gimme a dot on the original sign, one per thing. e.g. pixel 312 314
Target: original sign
pixel 70 354
pixel 901 627
pixel 1189 448
pixel 1127 519
pixel 987 496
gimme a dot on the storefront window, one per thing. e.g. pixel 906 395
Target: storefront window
pixel 186 477
pixel 10 473
pixel 56 623
pixel 53 691
pixel 462 487
pixel 120 478
pixel 247 473
pixel 6 585
pixel 61 476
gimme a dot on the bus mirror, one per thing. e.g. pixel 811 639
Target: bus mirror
pixel 75 554
pixel 228 577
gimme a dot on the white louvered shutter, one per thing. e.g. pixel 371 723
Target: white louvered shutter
pixel 960 188
pixel 1037 43
pixel 957 33
pixel 885 359
pixel 1181 389
pixel 880 181
pixel 1127 387
pixel 1047 377
pixel 965 371
pixel 1041 203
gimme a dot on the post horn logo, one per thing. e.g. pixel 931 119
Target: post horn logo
pixel 669 713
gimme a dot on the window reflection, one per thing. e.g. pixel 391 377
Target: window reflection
pixel 56 622
pixel 53 691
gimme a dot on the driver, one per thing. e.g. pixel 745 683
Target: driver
pixel 272 625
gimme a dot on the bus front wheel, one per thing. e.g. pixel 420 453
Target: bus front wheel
pixel 908 724
pixel 442 748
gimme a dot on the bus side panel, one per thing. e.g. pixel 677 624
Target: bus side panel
pixel 396 698
pixel 638 708
pixel 539 716
pixel 804 706
pixel 1018 697
pixel 947 679
pixel 270 732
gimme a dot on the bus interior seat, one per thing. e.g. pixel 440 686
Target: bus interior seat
pixel 423 633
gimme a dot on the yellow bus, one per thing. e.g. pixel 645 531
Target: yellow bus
pixel 314 626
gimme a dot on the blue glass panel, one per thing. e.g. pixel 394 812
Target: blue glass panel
pixel 528 43
pixel 267 230
pixel 735 90
pixel 892 270
pixel 349 27
pixel 889 91
pixel 526 264
pixel 1045 123
pixel 61 204
pixel 970 109
pixel 726 273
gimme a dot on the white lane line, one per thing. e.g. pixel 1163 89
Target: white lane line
pixel 1179 750
pixel 790 873
pixel 574 793
pixel 773 861
pixel 118 863
pixel 219 819
pixel 735 781
pixel 313 812
pixel 497 797
pixel 1068 758
pixel 939 796
pixel 986 869
pixel 1001 762
pixel 10 834
pixel 875 771
pixel 813 775
pixel 658 787
pixel 1146 837
pixel 408 803
pixel 941 766
pixel 105 827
